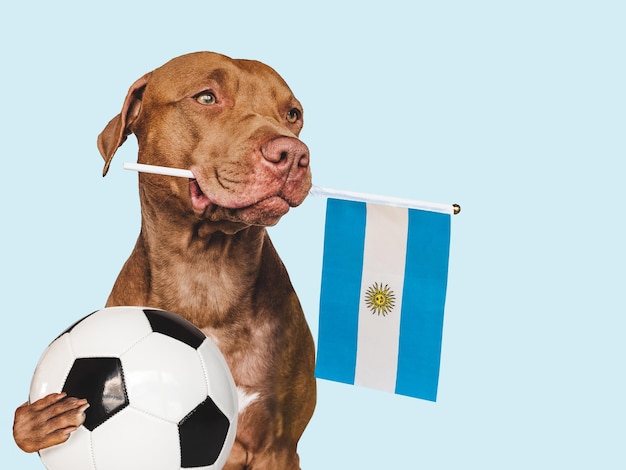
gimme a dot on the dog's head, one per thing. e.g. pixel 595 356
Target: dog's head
pixel 233 123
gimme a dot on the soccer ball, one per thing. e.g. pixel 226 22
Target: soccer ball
pixel 161 395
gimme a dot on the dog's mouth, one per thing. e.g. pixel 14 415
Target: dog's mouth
pixel 199 200
pixel 264 210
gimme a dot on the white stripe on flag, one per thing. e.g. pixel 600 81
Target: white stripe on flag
pixel 383 268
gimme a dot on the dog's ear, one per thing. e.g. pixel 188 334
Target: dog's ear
pixel 116 131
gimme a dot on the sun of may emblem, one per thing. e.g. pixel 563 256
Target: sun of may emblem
pixel 380 299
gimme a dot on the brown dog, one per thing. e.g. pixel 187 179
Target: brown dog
pixel 203 251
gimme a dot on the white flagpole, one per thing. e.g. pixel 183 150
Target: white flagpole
pixel 387 200
pixel 319 192
pixel 159 170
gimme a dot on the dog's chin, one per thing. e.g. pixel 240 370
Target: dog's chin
pixel 266 212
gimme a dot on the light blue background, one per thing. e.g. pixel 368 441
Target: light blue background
pixel 515 110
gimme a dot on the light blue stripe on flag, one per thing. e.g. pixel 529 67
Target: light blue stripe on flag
pixel 425 282
pixel 346 297
pixel 341 285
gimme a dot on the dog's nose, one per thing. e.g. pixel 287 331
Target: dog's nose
pixel 286 152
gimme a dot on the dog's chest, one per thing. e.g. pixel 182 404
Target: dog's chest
pixel 248 349
pixel 195 286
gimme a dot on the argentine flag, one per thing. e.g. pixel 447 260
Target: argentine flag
pixel 384 279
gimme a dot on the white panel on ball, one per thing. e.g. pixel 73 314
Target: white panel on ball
pixel 164 377
pixel 150 443
pixel 222 389
pixel 101 335
pixel 74 454
pixel 52 369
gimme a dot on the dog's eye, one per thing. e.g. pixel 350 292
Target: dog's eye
pixel 293 115
pixel 206 97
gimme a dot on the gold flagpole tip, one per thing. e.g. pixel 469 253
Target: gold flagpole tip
pixel 457 208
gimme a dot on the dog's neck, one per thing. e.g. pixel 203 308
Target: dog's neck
pixel 205 273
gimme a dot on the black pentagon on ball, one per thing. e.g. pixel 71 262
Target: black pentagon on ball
pixel 101 382
pixel 202 435
pixel 175 326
